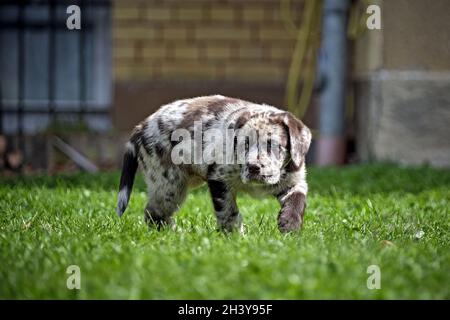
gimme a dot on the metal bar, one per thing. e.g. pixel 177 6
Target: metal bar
pixel 75 155
pixel 82 61
pixel 1 108
pixel 21 67
pixel 51 60
pixel 39 26
pixel 44 110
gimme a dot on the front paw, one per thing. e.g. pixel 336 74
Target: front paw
pixel 289 222
pixel 292 210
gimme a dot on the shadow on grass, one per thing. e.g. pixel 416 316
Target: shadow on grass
pixel 358 179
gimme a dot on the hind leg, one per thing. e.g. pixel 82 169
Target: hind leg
pixel 166 193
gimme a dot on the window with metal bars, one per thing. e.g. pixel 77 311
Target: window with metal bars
pixel 49 73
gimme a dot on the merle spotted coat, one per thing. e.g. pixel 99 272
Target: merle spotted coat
pixel 151 145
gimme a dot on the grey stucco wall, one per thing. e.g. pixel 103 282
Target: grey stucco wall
pixel 404 117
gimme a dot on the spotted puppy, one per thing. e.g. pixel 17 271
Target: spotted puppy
pixel 262 171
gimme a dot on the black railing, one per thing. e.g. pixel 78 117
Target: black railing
pixel 54 23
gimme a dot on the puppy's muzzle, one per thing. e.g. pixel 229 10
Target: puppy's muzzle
pixel 256 173
pixel 254 170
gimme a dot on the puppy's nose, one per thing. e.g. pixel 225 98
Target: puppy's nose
pixel 254 169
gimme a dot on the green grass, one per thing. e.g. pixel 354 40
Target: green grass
pixel 49 223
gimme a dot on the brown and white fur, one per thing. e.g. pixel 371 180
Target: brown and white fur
pixel 283 176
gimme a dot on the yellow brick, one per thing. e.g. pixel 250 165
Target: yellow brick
pixel 190 13
pixel 154 52
pixel 218 52
pixel 222 13
pixel 223 33
pixel 257 73
pixel 253 14
pixel 275 14
pixel 132 72
pixel 281 52
pixel 253 52
pixel 197 70
pixel 123 52
pixel 159 14
pixel 121 33
pixel 125 13
pixel 174 33
pixel 278 33
pixel 186 52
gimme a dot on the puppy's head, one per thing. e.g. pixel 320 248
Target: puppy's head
pixel 268 144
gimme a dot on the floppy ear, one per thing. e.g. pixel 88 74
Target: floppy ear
pixel 242 120
pixel 299 138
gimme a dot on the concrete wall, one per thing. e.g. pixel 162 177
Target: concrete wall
pixel 416 35
pixel 402 76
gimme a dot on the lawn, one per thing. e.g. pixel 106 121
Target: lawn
pixel 357 216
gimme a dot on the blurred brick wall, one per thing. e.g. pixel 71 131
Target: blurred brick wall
pixel 232 40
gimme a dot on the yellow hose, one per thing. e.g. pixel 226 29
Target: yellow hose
pixel 306 48
pixel 307 41
pixel 357 19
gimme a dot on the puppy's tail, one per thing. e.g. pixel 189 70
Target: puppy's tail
pixel 129 167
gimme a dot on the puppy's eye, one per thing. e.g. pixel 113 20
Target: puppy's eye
pixel 269 145
pixel 275 148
